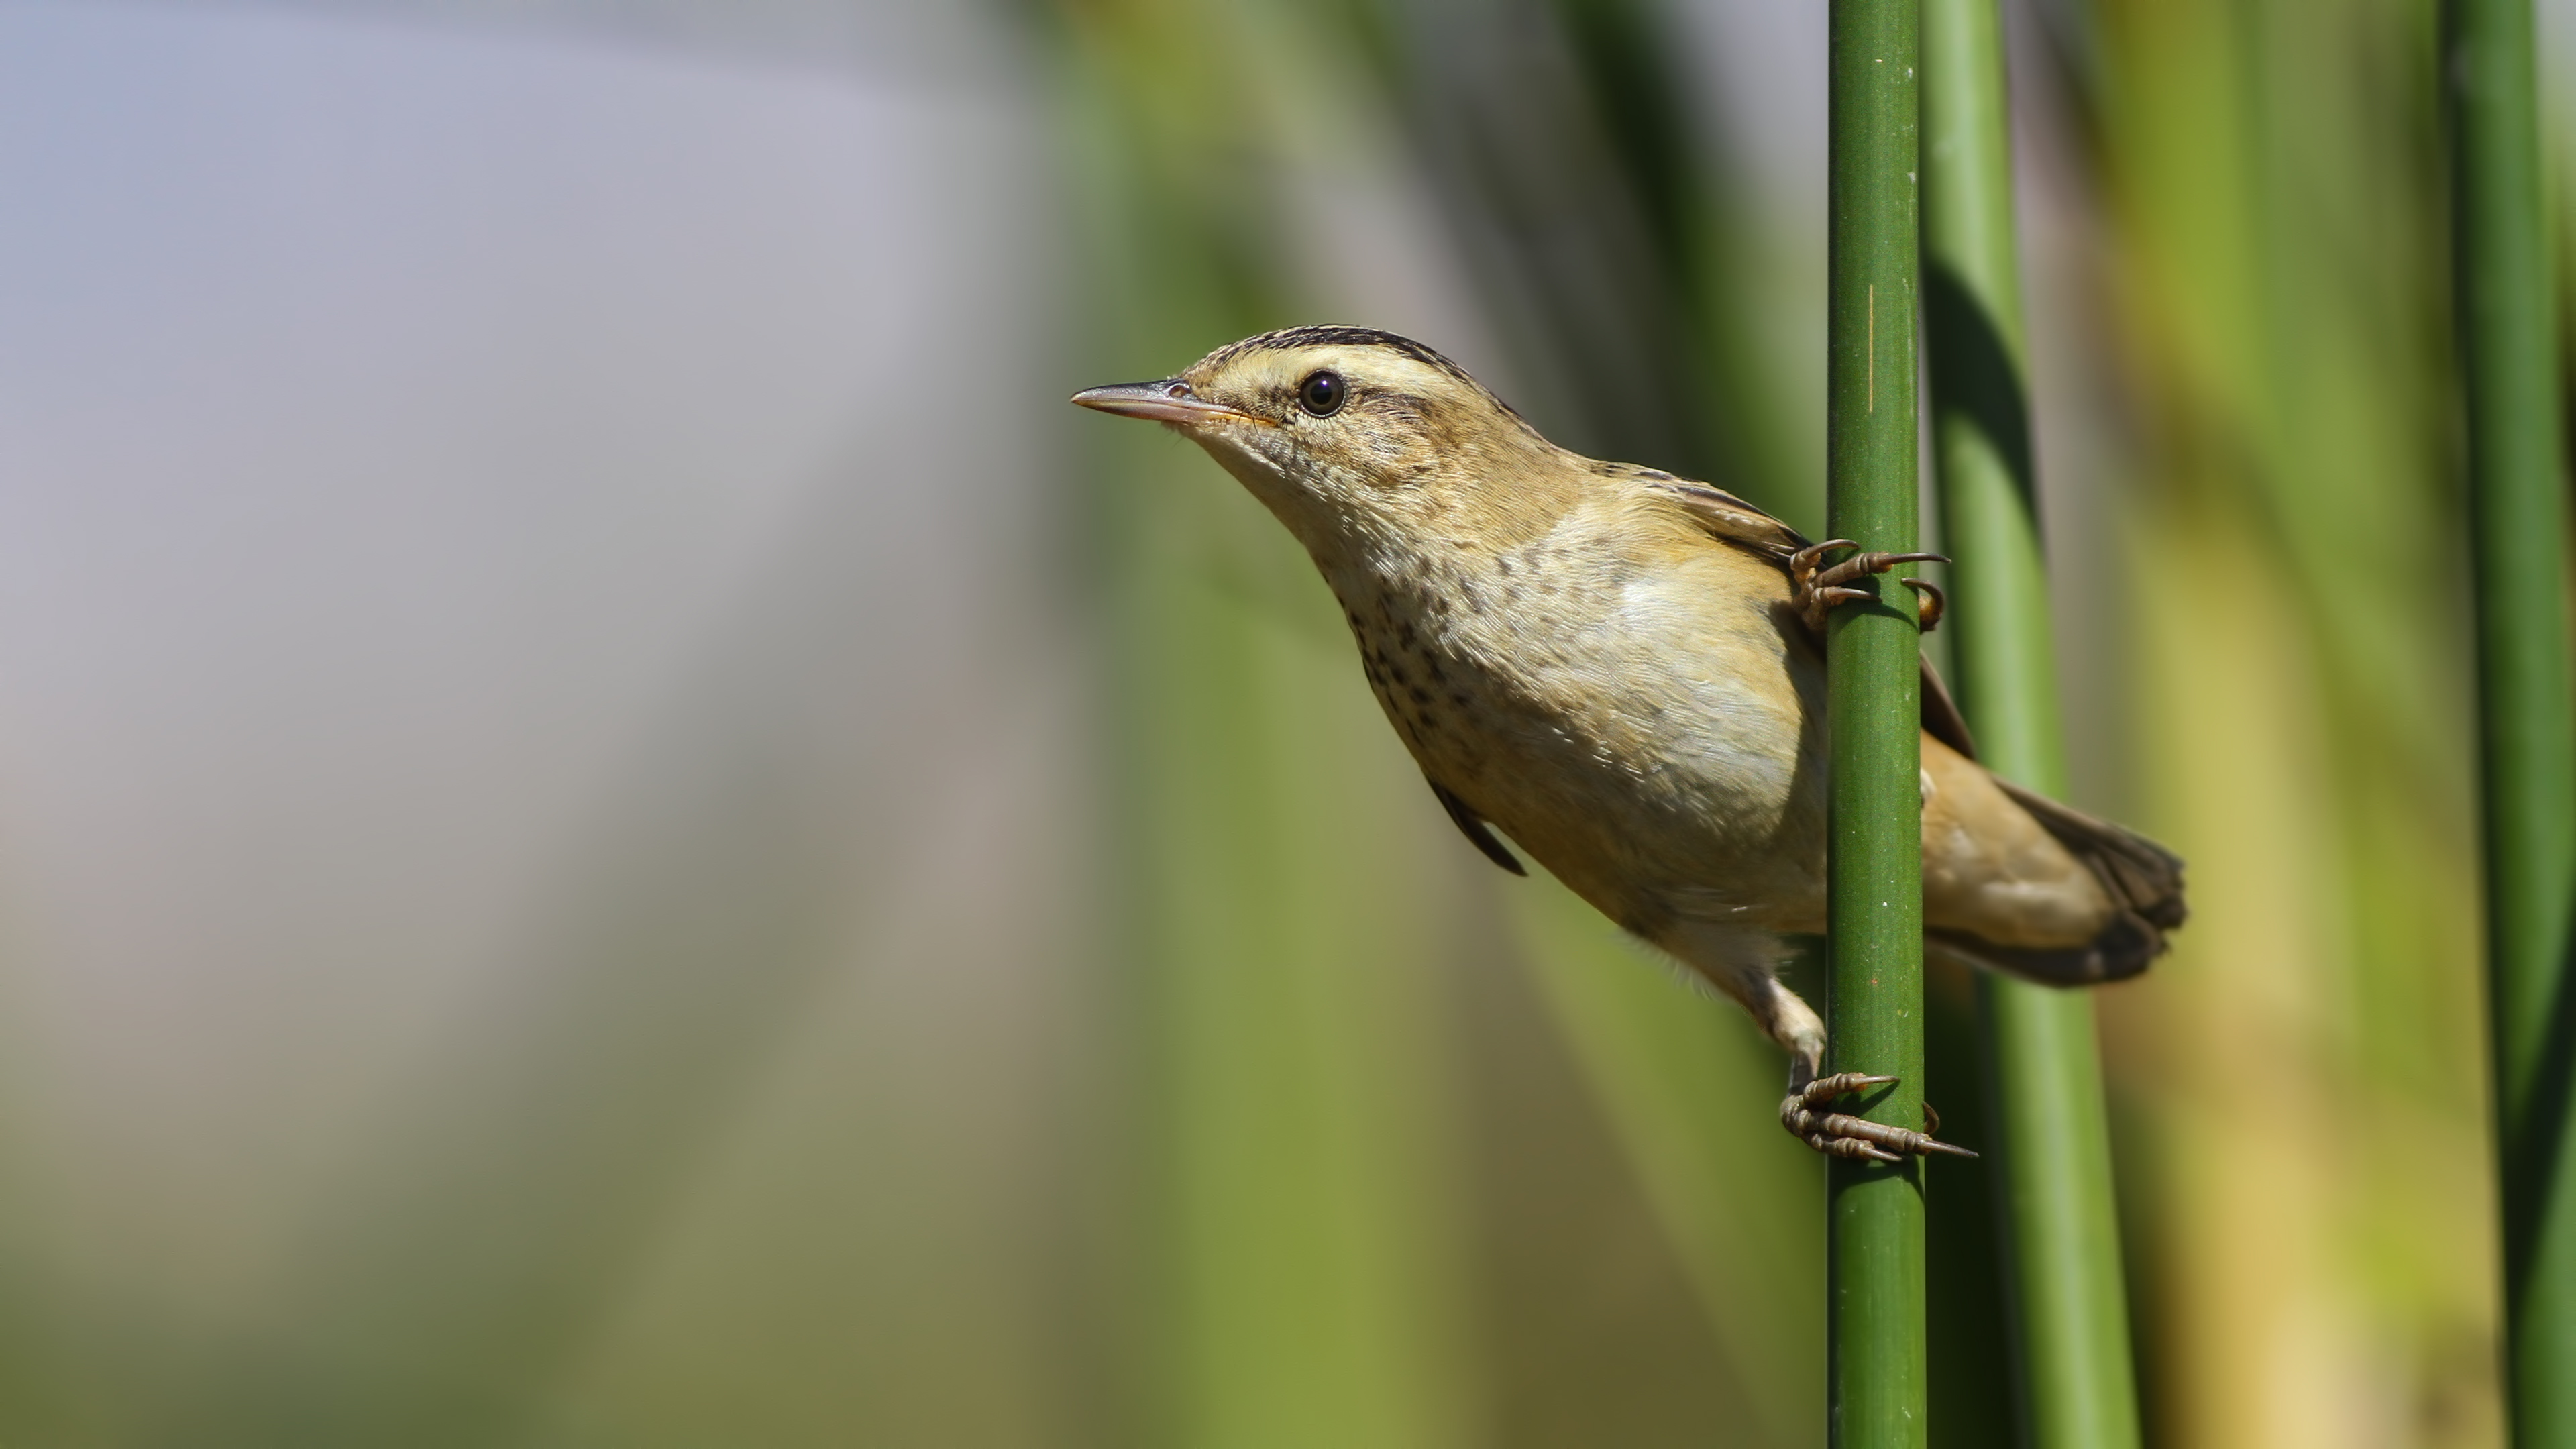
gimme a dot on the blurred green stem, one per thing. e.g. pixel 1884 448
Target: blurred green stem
pixel 2518 528
pixel 1875 888
pixel 2059 1221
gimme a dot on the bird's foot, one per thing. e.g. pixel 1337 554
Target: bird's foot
pixel 1818 586
pixel 1838 1134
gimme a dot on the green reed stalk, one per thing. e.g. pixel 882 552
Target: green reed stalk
pixel 2058 1218
pixel 2518 523
pixel 1875 891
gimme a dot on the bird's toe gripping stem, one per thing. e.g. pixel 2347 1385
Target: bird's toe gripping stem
pixel 1838 1134
pixel 1819 586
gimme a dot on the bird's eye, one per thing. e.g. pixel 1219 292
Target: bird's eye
pixel 1322 393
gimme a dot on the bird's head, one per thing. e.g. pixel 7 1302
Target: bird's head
pixel 1335 428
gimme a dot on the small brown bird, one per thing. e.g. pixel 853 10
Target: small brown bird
pixel 1623 670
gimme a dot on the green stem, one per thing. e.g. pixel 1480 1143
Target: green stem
pixel 2518 527
pixel 2059 1219
pixel 1875 889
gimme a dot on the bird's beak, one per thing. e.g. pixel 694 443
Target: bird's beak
pixel 1166 401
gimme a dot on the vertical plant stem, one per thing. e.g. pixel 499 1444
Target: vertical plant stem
pixel 2518 523
pixel 1875 887
pixel 2059 1220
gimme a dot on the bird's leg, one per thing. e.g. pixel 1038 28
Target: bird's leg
pixel 1929 603
pixel 1740 963
pixel 1818 586
pixel 1838 1134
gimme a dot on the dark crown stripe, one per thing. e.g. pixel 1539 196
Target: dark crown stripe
pixel 1328 334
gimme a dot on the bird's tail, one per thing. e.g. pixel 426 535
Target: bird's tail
pixel 2143 878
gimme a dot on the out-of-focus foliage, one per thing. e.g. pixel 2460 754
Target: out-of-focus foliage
pixel 2292 558
pixel 2241 220
pixel 652 849
pixel 1332 1208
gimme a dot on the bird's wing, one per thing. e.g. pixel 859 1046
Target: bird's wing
pixel 1731 520
pixel 1723 516
pixel 1940 714
pixel 1473 827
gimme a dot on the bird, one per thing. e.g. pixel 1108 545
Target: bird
pixel 1622 670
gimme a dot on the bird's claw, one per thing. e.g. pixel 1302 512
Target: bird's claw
pixel 1838 1134
pixel 1819 586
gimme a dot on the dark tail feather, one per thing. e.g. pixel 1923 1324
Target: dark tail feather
pixel 2142 876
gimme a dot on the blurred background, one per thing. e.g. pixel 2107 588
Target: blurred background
pixel 617 829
